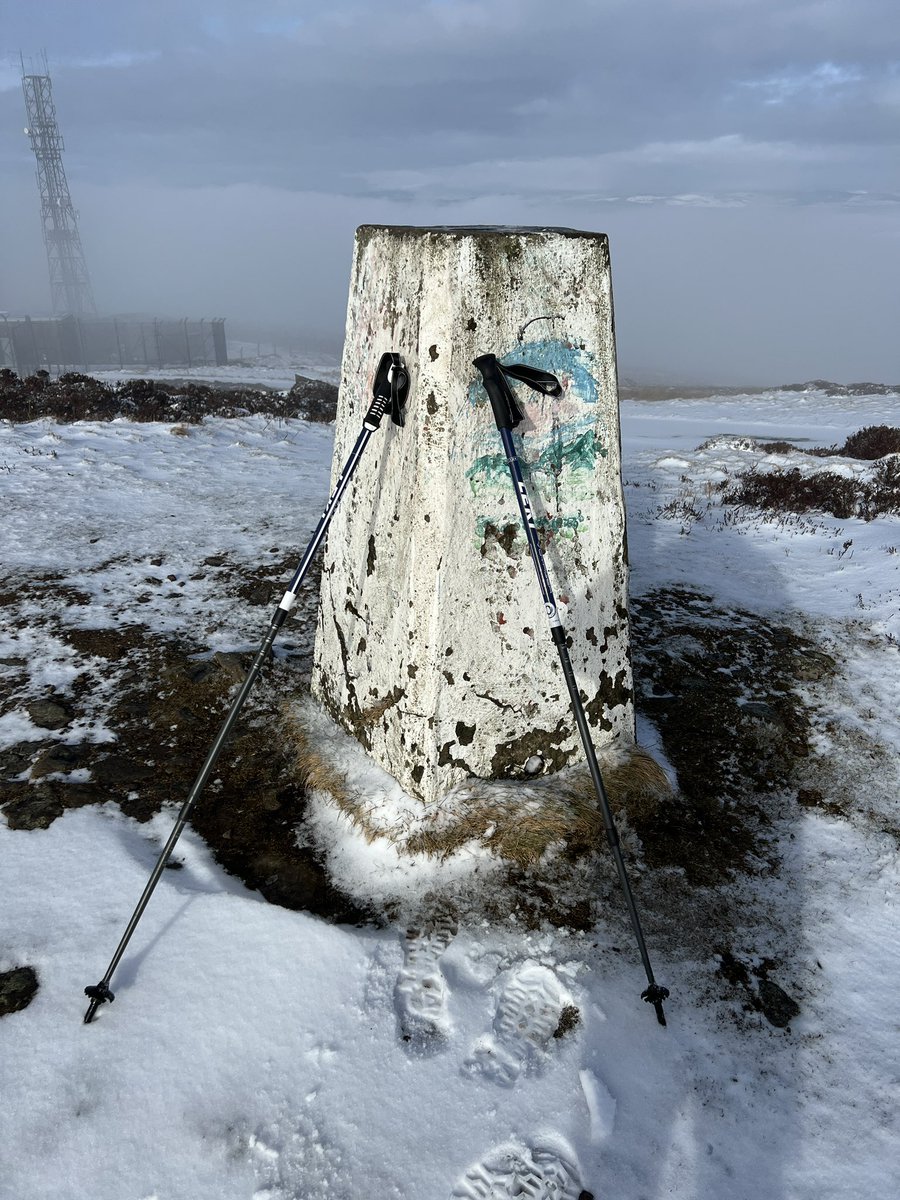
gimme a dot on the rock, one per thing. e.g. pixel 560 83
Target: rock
pixel 48 714
pixel 32 809
pixel 234 665
pixel 18 988
pixel 201 671
pixel 118 770
pixel 56 758
pixel 811 666
pixel 760 711
pixel 15 759
pixel 778 1007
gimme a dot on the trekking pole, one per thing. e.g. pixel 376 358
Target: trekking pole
pixel 389 394
pixel 507 414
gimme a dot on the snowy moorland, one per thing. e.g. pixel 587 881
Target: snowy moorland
pixel 274 370
pixel 257 1053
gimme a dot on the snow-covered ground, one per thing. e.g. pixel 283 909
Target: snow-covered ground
pixel 275 370
pixel 254 1052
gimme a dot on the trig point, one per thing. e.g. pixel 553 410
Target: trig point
pixel 432 646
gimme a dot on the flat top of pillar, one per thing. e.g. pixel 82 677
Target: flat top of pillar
pixel 481 230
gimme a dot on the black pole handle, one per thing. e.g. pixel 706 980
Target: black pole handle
pixel 505 406
pixel 507 413
pixel 389 391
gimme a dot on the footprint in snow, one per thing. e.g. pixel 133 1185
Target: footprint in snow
pixel 511 1171
pixel 530 1011
pixel 420 994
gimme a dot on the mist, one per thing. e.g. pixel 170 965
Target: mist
pixel 745 170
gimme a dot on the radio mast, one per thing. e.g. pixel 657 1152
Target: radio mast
pixel 70 284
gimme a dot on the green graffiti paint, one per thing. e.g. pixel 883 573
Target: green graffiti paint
pixel 486 471
pixel 566 527
pixel 580 454
pixel 559 440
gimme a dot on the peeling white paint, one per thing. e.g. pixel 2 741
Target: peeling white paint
pixel 432 645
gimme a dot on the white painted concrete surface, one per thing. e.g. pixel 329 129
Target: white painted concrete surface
pixel 432 644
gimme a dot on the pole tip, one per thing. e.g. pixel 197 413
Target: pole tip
pixel 98 994
pixel 655 994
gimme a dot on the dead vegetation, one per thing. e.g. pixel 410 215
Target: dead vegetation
pixel 75 397
pixel 870 443
pixel 522 824
pixel 793 491
pixel 164 698
pixel 867 444
pixel 720 686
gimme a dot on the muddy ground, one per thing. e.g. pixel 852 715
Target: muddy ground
pixel 724 687
pixel 718 685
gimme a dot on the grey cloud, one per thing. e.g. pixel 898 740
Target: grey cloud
pixel 453 82
pixel 221 153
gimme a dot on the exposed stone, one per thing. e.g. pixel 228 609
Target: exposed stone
pixel 56 758
pixel 118 770
pixel 48 714
pixel 18 988
pixel 15 759
pixel 234 665
pixel 777 1006
pixel 27 808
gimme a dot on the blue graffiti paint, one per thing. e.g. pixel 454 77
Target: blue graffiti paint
pixel 573 366
pixel 559 441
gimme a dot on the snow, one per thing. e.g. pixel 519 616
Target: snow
pixel 275 370
pixel 254 1052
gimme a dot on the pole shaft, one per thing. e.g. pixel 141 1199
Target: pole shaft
pixel 196 789
pixel 540 566
pixel 319 532
pixel 278 619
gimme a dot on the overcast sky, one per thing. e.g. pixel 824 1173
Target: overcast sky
pixel 742 155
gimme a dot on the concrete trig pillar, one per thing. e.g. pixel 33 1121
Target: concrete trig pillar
pixel 432 646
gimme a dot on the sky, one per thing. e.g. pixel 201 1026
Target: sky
pixel 743 157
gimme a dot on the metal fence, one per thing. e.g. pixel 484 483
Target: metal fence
pixel 59 344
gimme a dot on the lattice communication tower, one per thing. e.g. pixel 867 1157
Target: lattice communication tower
pixel 70 284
